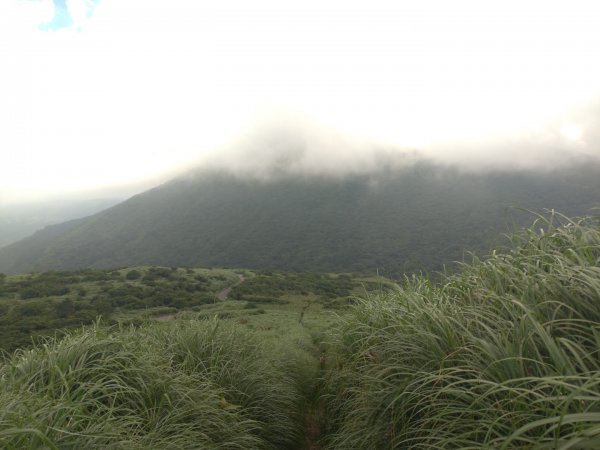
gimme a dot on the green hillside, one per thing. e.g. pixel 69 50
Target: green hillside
pixel 21 220
pixel 182 358
pixel 391 221
pixel 33 306
pixel 502 354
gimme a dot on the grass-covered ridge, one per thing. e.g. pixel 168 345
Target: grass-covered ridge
pixel 505 354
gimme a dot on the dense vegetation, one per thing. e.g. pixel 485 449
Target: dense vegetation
pixel 502 354
pixel 40 304
pixel 236 373
pixel 392 220
pixel 36 305
pixel 194 384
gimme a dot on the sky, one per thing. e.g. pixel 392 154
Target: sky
pixel 103 94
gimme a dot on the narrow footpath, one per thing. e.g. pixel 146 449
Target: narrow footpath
pixel 222 295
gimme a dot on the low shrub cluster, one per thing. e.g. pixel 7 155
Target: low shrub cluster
pixel 37 305
pixel 278 284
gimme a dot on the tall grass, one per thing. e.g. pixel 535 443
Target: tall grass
pixel 504 354
pixel 196 384
pixel 256 377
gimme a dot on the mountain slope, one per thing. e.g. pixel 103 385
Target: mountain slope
pixel 397 221
pixel 21 220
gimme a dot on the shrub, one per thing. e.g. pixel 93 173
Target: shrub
pixel 133 274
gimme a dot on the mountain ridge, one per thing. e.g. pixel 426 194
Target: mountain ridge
pixel 394 220
pixel 18 221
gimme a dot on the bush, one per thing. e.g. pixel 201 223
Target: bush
pixel 133 274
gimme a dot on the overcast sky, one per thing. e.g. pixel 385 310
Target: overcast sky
pixel 97 93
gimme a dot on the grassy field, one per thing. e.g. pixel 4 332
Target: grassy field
pixel 503 354
pixel 186 384
pixel 254 358
pixel 37 305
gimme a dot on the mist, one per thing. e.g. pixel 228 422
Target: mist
pixel 103 93
pixel 286 144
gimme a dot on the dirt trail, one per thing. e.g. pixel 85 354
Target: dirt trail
pixel 164 317
pixel 222 295
pixel 312 428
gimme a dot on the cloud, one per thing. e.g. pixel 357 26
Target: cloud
pixel 61 18
pixel 285 144
pixel 144 87
pixel 20 17
pixel 290 144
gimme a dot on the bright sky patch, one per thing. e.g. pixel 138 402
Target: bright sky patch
pixel 69 13
pixel 95 93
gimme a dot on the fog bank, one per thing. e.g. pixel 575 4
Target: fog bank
pixel 291 145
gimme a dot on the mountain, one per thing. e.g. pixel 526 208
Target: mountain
pixel 21 220
pixel 389 220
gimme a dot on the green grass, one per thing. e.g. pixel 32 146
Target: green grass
pixel 245 380
pixel 504 354
pixel 187 384
pixel 39 304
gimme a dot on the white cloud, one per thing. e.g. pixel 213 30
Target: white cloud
pixel 21 16
pixel 80 12
pixel 147 85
